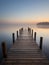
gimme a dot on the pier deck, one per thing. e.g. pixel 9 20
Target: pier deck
pixel 25 51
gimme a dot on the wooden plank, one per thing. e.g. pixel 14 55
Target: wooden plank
pixel 25 51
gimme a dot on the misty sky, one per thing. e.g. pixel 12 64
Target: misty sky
pixel 26 11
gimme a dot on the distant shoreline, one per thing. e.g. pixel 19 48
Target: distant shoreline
pixel 43 25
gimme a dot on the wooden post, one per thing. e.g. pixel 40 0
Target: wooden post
pixel 17 34
pixel 13 37
pixel 32 33
pixel 28 28
pixel 41 41
pixel 19 31
pixel 34 36
pixel 22 29
pixel 4 49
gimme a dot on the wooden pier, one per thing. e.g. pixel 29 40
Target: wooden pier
pixel 25 51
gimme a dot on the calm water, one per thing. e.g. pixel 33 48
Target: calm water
pixel 6 35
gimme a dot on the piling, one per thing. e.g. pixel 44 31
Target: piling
pixel 41 41
pixel 29 29
pixel 32 33
pixel 19 31
pixel 34 36
pixel 13 37
pixel 22 29
pixel 4 49
pixel 17 34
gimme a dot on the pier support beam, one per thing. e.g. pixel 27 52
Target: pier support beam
pixel 22 29
pixel 13 37
pixel 29 30
pixel 32 33
pixel 19 31
pixel 41 41
pixel 34 36
pixel 17 34
pixel 4 49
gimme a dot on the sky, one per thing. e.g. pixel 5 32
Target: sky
pixel 24 11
